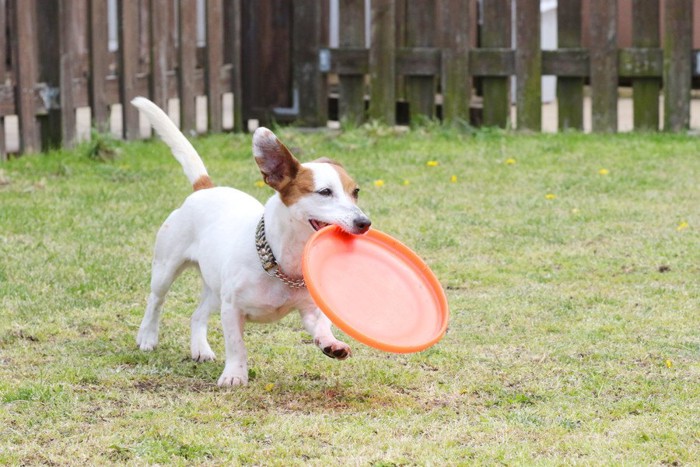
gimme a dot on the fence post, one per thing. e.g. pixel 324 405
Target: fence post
pixel 570 89
pixel 99 64
pixel 604 77
pixel 495 33
pixel 528 65
pixel 420 31
pixel 382 62
pixel 161 47
pixel 453 15
pixel 351 28
pixel 128 65
pixel 3 74
pixel 69 37
pixel 645 91
pixel 233 34
pixel 215 59
pixel 309 82
pixel 187 65
pixel 677 63
pixel 25 52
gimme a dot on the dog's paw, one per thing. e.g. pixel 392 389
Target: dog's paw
pixel 146 341
pixel 203 355
pixel 232 380
pixel 339 350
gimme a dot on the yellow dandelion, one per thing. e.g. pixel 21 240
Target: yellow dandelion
pixel 669 363
pixel 259 184
pixel 406 182
pixel 453 179
pixel 510 161
pixel 575 211
pixel 603 171
pixel 550 196
pixel 269 387
pixel 682 226
pixel 432 163
pixel 379 183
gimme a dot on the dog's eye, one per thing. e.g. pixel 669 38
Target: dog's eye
pixel 356 193
pixel 325 192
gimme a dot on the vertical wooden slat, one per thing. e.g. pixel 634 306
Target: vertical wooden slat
pixel 569 89
pixel 25 54
pixel 604 65
pixel 677 63
pixel 215 59
pixel 645 91
pixel 128 65
pixel 3 73
pixel 495 33
pixel 49 71
pixel 99 64
pixel 453 16
pixel 382 66
pixel 69 37
pixel 309 82
pixel 161 19
pixel 352 34
pixel 420 29
pixel 528 65
pixel 233 34
pixel 188 63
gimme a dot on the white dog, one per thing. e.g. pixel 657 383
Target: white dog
pixel 249 255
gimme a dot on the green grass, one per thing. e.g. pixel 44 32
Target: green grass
pixel 574 335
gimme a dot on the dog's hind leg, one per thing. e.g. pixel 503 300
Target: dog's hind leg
pixel 162 277
pixel 319 326
pixel 201 351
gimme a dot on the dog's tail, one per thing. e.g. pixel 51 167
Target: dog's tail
pixel 181 148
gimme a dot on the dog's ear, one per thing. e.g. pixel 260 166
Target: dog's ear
pixel 277 165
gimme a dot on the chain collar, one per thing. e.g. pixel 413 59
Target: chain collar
pixel 268 261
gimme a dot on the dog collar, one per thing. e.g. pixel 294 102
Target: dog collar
pixel 268 260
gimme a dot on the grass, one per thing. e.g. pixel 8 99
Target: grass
pixel 574 334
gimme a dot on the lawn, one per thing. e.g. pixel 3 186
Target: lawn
pixel 571 263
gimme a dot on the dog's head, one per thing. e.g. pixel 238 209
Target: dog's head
pixel 319 193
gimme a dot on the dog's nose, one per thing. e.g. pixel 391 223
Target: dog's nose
pixel 362 224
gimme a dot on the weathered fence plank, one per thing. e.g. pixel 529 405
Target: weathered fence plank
pixel 352 85
pixel 99 64
pixel 677 64
pixel 309 83
pixel 453 16
pixel 604 76
pixel 161 22
pixel 528 65
pixel 128 66
pixel 3 74
pixel 382 62
pixel 420 88
pixel 233 36
pixel 26 73
pixel 495 33
pixel 215 60
pixel 645 90
pixel 187 47
pixel 69 41
pixel 570 87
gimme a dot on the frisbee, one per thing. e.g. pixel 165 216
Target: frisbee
pixel 375 289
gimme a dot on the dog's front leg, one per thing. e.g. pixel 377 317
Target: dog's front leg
pixel 319 326
pixel 236 368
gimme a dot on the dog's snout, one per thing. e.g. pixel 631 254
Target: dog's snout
pixel 362 224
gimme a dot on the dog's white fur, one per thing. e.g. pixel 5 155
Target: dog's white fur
pixel 214 230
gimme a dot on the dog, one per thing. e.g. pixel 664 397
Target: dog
pixel 249 255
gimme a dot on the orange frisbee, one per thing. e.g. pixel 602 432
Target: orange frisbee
pixel 375 289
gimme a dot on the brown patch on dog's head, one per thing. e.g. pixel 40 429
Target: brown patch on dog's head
pixel 202 183
pixel 349 185
pixel 302 185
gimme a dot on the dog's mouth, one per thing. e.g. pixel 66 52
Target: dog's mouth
pixel 318 225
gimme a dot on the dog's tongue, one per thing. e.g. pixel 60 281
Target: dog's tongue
pixel 318 225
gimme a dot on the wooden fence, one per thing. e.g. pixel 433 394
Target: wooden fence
pixel 432 57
